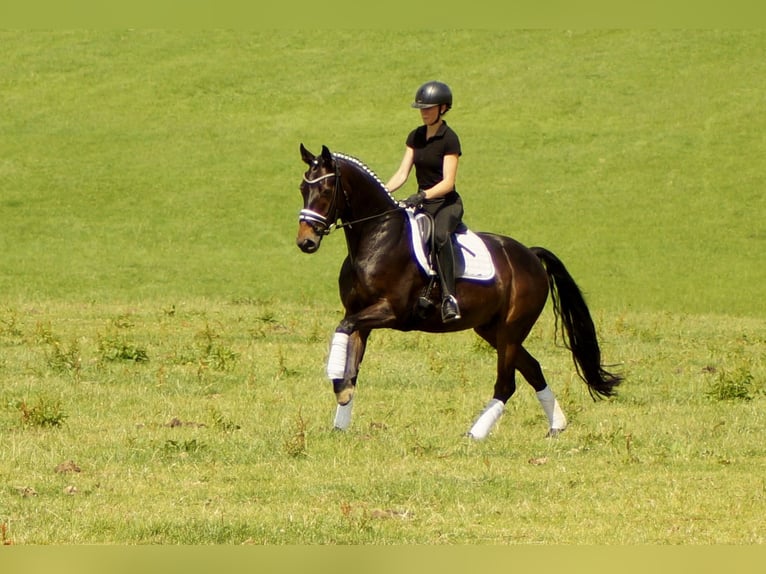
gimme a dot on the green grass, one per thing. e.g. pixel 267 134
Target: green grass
pixel 161 333
pixel 183 449
pixel 137 163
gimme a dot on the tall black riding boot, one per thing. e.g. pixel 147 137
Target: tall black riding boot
pixel 446 267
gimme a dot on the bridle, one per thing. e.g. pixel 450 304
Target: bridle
pixel 322 224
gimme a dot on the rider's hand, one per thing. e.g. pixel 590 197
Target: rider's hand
pixel 415 199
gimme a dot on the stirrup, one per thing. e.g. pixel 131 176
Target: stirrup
pixel 423 306
pixel 450 309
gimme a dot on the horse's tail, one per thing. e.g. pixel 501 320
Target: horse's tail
pixel 578 330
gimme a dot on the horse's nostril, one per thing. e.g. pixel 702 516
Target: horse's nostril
pixel 307 245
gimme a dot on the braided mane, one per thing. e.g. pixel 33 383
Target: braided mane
pixel 365 168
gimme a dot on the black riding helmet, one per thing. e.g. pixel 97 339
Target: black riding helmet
pixel 433 94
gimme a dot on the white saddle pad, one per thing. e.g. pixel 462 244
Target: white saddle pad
pixel 473 261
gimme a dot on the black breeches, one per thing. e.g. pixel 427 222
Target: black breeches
pixel 447 214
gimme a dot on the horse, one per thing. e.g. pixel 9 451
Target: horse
pixel 382 287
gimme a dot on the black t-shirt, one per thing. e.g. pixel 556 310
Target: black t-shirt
pixel 429 154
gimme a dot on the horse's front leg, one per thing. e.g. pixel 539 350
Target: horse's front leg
pixel 345 385
pixel 347 351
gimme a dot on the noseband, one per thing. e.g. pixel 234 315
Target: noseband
pixel 323 224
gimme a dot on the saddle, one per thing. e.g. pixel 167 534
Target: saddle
pixel 472 258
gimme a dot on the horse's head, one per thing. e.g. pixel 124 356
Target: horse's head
pixel 320 189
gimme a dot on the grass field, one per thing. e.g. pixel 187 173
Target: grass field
pixel 162 340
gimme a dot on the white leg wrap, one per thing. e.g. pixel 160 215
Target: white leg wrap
pixel 553 411
pixel 336 362
pixel 343 415
pixel 487 419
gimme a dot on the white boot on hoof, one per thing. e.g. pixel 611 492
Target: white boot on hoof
pixel 489 416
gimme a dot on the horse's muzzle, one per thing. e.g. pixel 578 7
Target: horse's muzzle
pixel 308 239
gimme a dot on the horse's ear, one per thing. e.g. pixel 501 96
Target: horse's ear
pixel 326 155
pixel 306 155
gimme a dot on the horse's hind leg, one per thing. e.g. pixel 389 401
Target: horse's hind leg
pixel 530 368
pixel 505 385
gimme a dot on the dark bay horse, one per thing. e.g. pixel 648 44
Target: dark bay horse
pixel 381 284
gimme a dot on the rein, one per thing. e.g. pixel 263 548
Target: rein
pixel 320 222
pixel 360 220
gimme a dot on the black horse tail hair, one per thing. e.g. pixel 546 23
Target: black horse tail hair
pixel 577 328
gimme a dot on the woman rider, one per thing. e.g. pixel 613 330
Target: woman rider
pixel 434 149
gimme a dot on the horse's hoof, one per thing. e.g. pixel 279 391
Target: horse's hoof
pixel 344 396
pixel 553 433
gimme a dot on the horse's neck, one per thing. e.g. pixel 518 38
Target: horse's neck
pixel 376 240
pixel 374 222
pixel 365 195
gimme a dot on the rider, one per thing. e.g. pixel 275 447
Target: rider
pixel 433 149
